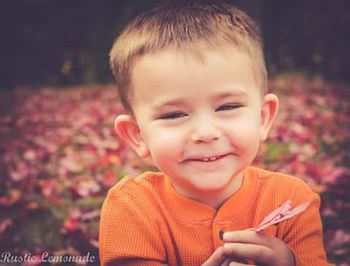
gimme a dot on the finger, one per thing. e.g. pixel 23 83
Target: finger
pixel 235 263
pixel 226 262
pixel 253 252
pixel 248 236
pixel 216 258
pixel 231 262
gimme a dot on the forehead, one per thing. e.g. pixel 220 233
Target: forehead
pixel 186 67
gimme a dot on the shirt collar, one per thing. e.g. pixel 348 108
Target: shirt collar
pixel 190 211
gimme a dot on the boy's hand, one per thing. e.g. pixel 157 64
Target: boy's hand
pixel 260 248
pixel 216 259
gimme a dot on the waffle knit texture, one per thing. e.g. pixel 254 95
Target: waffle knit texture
pixel 144 221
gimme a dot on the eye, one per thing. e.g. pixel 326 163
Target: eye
pixel 228 107
pixel 172 115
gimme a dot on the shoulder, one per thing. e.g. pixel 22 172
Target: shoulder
pixel 279 179
pixel 130 184
pixel 281 185
pixel 135 190
pixel 129 219
pixel 129 206
pixel 132 197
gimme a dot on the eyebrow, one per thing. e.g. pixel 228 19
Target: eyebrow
pixel 228 94
pixel 170 103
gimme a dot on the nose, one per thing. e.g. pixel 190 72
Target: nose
pixel 205 131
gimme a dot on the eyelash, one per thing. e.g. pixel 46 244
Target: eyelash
pixel 228 107
pixel 175 115
pixel 172 115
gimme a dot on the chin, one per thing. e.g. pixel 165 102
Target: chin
pixel 212 184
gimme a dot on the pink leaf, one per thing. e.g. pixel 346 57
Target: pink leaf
pixel 280 214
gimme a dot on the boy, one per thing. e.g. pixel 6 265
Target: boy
pixel 193 81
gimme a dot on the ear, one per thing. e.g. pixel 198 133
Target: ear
pixel 128 130
pixel 268 114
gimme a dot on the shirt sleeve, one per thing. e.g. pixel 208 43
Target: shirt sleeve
pixel 303 233
pixel 128 231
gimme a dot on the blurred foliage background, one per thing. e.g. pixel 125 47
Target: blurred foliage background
pixel 59 154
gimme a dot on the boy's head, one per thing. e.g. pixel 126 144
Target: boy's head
pixel 190 28
pixel 193 80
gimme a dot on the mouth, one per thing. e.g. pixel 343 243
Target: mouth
pixel 207 159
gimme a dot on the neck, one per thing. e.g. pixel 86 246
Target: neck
pixel 214 198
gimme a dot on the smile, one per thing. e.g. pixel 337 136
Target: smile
pixel 208 159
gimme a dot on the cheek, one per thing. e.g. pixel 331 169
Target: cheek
pixel 164 144
pixel 245 131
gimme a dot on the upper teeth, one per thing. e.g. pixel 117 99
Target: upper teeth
pixel 209 159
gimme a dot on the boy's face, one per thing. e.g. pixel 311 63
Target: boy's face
pixel 200 122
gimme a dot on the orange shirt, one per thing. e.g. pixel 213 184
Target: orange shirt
pixel 144 221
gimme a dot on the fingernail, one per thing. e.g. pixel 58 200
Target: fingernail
pixel 221 234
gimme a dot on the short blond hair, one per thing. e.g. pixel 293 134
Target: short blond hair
pixel 185 26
